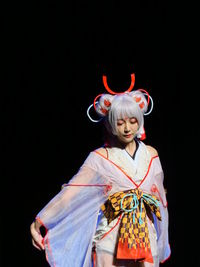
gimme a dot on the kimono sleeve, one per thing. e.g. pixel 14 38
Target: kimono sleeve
pixel 162 226
pixel 70 219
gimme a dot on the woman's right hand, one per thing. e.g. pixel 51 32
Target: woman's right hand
pixel 36 235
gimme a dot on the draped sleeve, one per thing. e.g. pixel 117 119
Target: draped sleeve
pixel 70 217
pixel 162 226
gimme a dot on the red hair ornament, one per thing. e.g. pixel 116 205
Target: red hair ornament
pixel 115 93
pixel 104 110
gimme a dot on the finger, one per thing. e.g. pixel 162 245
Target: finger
pixel 36 245
pixel 33 229
pixel 37 238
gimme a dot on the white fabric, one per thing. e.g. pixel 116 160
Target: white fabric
pixel 71 216
pixel 136 168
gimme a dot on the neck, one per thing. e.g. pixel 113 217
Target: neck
pixel 130 147
pixel 113 141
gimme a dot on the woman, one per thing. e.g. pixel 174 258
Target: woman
pixel 113 212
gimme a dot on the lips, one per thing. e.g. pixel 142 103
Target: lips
pixel 128 135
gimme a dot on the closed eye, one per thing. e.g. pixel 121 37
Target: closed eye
pixel 133 120
pixel 120 123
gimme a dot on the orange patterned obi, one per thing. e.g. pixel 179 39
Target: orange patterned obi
pixel 133 240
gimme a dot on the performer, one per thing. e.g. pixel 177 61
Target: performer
pixel 113 212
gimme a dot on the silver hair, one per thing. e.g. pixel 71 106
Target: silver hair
pixel 123 106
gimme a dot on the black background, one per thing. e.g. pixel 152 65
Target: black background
pixel 55 56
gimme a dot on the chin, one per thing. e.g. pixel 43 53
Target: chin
pixel 127 140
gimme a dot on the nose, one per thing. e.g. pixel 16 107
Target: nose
pixel 126 128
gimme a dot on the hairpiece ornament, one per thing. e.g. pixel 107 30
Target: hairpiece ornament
pixel 141 103
pixel 107 103
pixel 142 135
pixel 95 100
pixel 115 93
pixel 88 113
pixel 150 110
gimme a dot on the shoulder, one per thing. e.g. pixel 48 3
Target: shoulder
pixel 102 151
pixel 92 160
pixel 152 151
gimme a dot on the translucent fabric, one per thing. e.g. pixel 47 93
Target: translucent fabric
pixel 71 217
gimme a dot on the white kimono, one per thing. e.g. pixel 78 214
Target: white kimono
pixel 72 218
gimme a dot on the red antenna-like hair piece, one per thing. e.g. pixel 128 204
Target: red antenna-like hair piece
pixel 95 100
pixel 148 97
pixel 115 93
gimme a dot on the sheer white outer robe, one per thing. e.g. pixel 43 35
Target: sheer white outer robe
pixel 71 216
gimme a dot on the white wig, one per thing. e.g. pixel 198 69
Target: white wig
pixel 121 106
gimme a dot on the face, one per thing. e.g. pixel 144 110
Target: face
pixel 126 129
